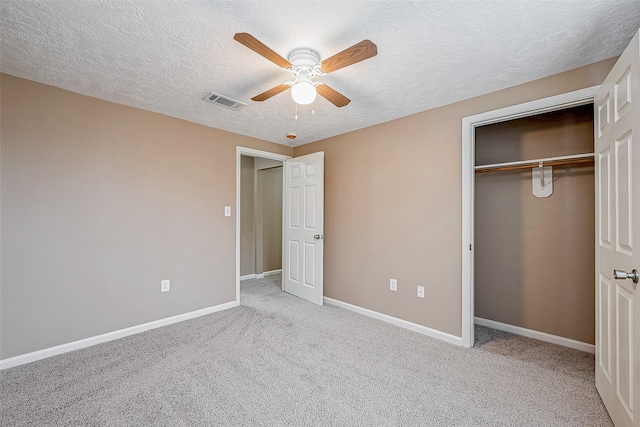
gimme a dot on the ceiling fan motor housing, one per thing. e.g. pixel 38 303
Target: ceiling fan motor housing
pixel 304 59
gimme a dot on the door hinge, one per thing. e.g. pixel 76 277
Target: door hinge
pixel 469 247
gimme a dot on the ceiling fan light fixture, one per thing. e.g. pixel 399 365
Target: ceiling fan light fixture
pixel 303 92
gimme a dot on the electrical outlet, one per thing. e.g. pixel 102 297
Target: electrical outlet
pixel 165 285
pixel 393 285
pixel 420 291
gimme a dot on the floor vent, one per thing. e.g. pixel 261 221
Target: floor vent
pixel 223 101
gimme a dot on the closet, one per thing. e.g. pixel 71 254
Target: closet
pixel 534 224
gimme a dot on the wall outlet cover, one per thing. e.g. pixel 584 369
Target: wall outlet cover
pixel 165 285
pixel 393 284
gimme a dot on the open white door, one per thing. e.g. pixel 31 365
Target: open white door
pixel 617 167
pixel 303 227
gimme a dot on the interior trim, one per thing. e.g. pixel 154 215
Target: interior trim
pixel 553 103
pixel 249 152
pixel 109 336
pixel 433 333
pixel 541 336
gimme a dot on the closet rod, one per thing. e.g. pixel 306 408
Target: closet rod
pixel 271 167
pixel 528 164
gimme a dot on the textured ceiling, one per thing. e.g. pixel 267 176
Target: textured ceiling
pixel 165 56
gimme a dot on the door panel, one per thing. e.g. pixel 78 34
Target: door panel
pixel 310 208
pixel 604 205
pixel 294 207
pixel 304 227
pixel 617 116
pixel 604 327
pixel 294 252
pixel 309 271
pixel 623 195
pixel 624 310
pixel 623 93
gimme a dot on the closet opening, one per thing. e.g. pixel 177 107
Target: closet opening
pixel 534 226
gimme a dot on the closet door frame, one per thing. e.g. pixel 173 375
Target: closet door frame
pixel 469 124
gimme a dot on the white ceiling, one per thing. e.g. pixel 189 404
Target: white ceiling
pixel 165 56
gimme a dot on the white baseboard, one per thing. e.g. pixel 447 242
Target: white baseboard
pixel 109 336
pixel 260 275
pixel 272 272
pixel 433 333
pixel 541 336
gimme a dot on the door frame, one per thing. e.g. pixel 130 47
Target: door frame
pixel 249 152
pixel 553 103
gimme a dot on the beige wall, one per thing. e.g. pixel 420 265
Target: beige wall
pixel 534 257
pixel 247 217
pixel 99 203
pixel 393 205
pixel 102 201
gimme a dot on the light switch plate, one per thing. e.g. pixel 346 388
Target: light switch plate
pixel 227 211
pixel 420 291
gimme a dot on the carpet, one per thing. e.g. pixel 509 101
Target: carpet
pixel 277 360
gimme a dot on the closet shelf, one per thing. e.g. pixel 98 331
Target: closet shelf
pixel 580 159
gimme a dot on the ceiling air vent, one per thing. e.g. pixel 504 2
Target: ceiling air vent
pixel 223 101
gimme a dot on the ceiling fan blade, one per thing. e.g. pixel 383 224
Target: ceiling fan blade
pixel 261 49
pixel 332 95
pixel 356 53
pixel 271 92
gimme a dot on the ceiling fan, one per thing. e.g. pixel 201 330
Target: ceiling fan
pixel 305 64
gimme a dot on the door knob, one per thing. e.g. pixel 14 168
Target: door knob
pixel 621 275
pixel 318 237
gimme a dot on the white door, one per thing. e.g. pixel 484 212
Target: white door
pixel 303 225
pixel 617 168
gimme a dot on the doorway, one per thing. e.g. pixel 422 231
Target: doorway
pixel 260 217
pixel 302 222
pixel 265 161
pixel 469 125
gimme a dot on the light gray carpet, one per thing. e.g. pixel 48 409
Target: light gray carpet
pixel 277 360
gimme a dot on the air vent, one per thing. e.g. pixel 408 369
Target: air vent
pixel 223 101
